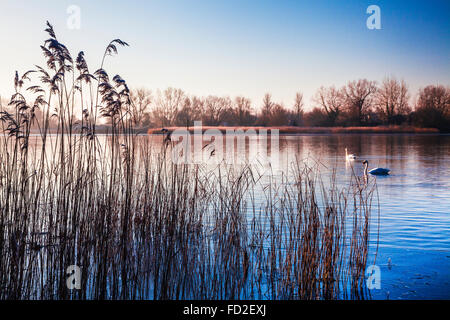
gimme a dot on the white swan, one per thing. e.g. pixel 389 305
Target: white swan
pixel 349 156
pixel 375 171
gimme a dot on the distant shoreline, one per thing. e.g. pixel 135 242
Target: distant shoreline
pixel 283 130
pixel 291 130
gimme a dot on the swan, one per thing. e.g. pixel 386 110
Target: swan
pixel 349 156
pixel 376 171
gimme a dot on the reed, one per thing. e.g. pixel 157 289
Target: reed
pixel 141 227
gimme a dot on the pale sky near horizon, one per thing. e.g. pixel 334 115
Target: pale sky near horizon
pixel 238 47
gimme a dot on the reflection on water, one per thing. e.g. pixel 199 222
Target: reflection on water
pixel 414 238
pixel 414 202
pixel 414 234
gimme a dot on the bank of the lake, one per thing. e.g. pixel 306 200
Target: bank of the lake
pixel 292 130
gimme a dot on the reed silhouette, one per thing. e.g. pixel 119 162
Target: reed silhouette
pixel 142 227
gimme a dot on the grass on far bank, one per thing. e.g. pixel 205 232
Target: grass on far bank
pixel 313 130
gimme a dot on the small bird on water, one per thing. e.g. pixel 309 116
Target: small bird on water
pixel 167 134
pixel 349 157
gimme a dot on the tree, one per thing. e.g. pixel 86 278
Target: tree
pixel 242 111
pixel 332 102
pixel 279 116
pixel 433 107
pixel 197 108
pixel 215 108
pixel 141 99
pixel 316 117
pixel 298 108
pixel 266 110
pixel 359 97
pixel 391 100
pixel 168 104
pixel 185 116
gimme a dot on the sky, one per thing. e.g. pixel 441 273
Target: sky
pixel 238 47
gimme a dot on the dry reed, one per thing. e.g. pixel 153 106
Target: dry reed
pixel 141 227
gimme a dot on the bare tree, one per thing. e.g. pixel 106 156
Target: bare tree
pixel 331 100
pixel 215 108
pixel 141 99
pixel 184 114
pixel 266 110
pixel 359 97
pixel 243 110
pixel 168 104
pixel 279 115
pixel 298 108
pixel 433 107
pixel 391 99
pixel 435 97
pixel 198 108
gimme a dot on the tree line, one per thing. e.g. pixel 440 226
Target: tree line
pixel 358 103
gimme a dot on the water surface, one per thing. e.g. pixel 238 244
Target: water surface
pixel 414 200
pixel 414 238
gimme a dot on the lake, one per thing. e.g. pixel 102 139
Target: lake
pixel 414 236
pixel 410 237
pixel 414 201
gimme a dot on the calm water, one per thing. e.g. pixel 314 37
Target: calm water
pixel 414 203
pixel 414 238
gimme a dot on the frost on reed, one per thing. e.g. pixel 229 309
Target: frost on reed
pixel 141 227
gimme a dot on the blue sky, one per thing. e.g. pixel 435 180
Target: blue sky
pixel 239 47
